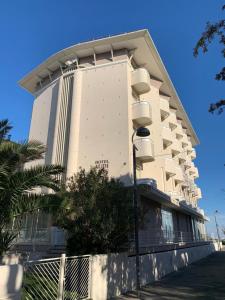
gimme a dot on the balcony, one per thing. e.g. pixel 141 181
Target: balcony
pixel 176 148
pixel 189 148
pixel 185 141
pixel 196 174
pixel 198 193
pixel 179 132
pixel 164 108
pixel 172 120
pixel 169 167
pixel 185 183
pixel 193 171
pixel 192 187
pixel 175 197
pixel 193 154
pixel 141 81
pixel 145 151
pixel 179 177
pixel 187 165
pixel 182 158
pixel 141 112
pixel 166 136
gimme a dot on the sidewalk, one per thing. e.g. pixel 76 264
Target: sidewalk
pixel 202 280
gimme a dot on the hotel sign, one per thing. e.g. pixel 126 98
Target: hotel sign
pixel 102 164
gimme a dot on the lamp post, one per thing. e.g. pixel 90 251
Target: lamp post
pixel 217 228
pixel 141 132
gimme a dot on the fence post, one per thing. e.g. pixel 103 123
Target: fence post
pixel 90 277
pixel 61 277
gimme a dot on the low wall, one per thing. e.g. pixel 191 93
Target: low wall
pixel 11 275
pixel 115 274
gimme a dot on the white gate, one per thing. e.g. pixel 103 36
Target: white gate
pixel 63 278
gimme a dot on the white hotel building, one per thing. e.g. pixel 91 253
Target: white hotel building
pixel 88 100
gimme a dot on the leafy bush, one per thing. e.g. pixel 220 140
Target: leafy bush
pixel 6 241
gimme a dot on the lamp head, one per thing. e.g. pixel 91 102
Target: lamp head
pixel 142 132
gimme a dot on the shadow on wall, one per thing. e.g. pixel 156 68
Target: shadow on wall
pixel 119 270
pixel 51 124
pixel 11 275
pixel 204 280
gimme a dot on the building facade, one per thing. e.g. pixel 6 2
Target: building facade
pixel 89 99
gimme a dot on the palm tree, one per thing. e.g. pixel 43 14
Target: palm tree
pixel 18 184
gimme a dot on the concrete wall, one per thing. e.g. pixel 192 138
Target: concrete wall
pixel 11 275
pixel 115 273
pixel 43 119
pixel 103 129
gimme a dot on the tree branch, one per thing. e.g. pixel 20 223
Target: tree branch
pixel 218 106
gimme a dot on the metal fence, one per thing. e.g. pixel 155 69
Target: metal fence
pixel 159 237
pixel 64 278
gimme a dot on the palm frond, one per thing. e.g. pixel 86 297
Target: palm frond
pixel 31 202
pixel 7 239
pixel 5 127
pixel 38 176
pixel 17 154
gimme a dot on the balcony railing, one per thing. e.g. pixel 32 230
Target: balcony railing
pixel 160 237
pixel 169 167
pixel 142 114
pixel 193 154
pixel 51 236
pixel 176 147
pixel 164 108
pixel 166 136
pixel 145 150
pixel 179 132
pixel 179 177
pixel 187 165
pixel 141 80
pixel 182 157
pixel 172 120
pixel 193 171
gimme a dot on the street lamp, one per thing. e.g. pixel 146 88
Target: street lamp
pixel 217 228
pixel 141 132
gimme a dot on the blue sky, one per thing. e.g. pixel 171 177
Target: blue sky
pixel 30 31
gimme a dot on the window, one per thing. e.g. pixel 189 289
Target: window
pixel 167 224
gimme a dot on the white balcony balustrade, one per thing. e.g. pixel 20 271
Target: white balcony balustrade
pixel 167 136
pixel 196 174
pixel 179 176
pixel 182 157
pixel 189 148
pixel 142 114
pixel 185 183
pixel 174 196
pixel 141 81
pixel 172 119
pixel 187 164
pixel 192 188
pixel 185 141
pixel 179 132
pixel 193 154
pixel 169 167
pixel 145 149
pixel 164 108
pixel 176 148
pixel 198 193
pixel 193 171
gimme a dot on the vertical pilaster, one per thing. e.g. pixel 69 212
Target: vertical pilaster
pixel 72 162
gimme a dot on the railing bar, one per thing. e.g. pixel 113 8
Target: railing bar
pixel 31 292
pixel 43 260
pixel 79 256
pixel 52 276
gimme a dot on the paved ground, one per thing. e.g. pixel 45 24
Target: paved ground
pixel 204 279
